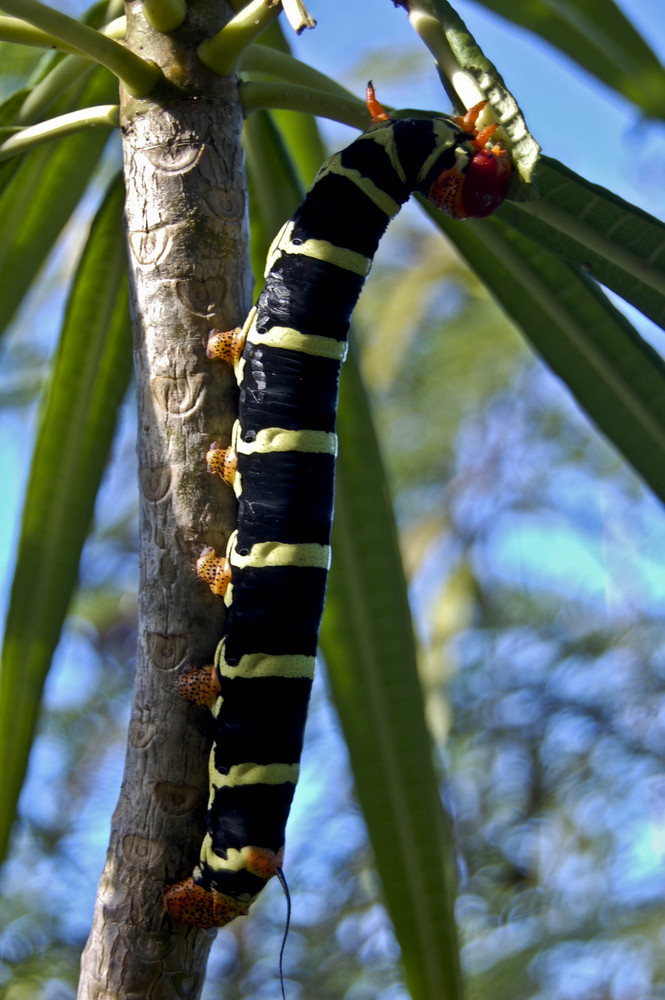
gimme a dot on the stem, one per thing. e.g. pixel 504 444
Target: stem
pixel 469 77
pixel 433 29
pixel 76 121
pixel 164 15
pixel 13 29
pixel 292 97
pixel 116 28
pixel 223 51
pixel 264 59
pixel 137 75
pixel 58 79
pixel 51 87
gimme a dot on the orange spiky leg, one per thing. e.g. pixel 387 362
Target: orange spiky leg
pixel 214 570
pixel 222 462
pixel 479 138
pixel 200 685
pixel 190 903
pixel 378 113
pixel 226 345
pixel 467 121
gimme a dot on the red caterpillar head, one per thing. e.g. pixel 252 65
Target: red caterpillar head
pixel 478 182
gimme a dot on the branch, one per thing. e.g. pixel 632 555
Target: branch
pixel 50 88
pixel 221 53
pixel 265 59
pixel 292 97
pixel 14 29
pixel 468 77
pixel 137 75
pixel 76 121
pixel 164 15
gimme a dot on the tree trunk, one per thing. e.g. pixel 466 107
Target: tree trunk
pixel 189 271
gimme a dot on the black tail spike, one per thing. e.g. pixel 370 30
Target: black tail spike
pixel 282 881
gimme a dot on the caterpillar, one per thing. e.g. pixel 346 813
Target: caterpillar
pixel 287 359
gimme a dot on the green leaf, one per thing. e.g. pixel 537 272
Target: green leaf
pixel 368 643
pixel 40 196
pixel 606 237
pixel 601 39
pixel 615 376
pixel 76 427
pixel 273 183
pixel 469 76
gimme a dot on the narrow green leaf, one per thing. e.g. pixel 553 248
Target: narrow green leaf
pixel 615 376
pixel 300 132
pixel 40 197
pixel 606 237
pixel 368 643
pixel 273 180
pixel 8 111
pixel 76 427
pixel 601 39
pixel 469 76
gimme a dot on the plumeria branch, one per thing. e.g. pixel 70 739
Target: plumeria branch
pixel 105 115
pixel 137 75
pixel 223 53
pixel 50 88
pixel 469 77
pixel 15 29
pixel 292 97
pixel 165 15
pixel 264 59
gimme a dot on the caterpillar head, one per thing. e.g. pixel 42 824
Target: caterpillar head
pixel 478 182
pixel 475 186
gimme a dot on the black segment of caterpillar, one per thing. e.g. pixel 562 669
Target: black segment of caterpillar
pixel 287 359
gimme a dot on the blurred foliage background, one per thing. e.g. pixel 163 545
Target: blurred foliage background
pixel 536 569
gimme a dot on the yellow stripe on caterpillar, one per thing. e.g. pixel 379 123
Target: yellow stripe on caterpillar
pixel 292 340
pixel 462 156
pixel 271 439
pixel 259 860
pixel 386 137
pixel 265 665
pixel 233 863
pixel 348 260
pixel 253 774
pixel 366 185
pixel 265 554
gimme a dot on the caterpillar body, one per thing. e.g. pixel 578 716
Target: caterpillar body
pixel 287 359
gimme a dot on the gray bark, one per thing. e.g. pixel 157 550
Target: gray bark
pixel 189 271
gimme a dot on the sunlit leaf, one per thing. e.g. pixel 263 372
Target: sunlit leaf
pixel 76 427
pixel 598 36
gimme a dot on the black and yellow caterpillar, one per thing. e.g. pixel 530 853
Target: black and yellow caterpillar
pixel 287 358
